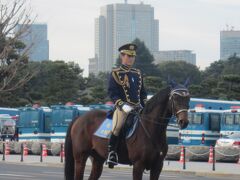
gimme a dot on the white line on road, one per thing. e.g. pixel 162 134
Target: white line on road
pixel 51 172
pixel 167 176
pixel 16 175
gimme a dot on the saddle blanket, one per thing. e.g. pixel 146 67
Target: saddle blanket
pixel 105 129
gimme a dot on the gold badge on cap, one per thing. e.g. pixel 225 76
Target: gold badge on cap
pixel 131 47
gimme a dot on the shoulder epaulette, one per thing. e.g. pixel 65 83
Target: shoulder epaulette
pixel 135 70
pixel 115 75
pixel 115 69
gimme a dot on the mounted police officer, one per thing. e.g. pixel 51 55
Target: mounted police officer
pixel 127 91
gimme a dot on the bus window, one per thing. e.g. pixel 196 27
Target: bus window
pixel 195 118
pixel 29 119
pixel 62 117
pixel 229 119
pixel 237 119
pixel 57 116
pixel 68 116
pixel 214 122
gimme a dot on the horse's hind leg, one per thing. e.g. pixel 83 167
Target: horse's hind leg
pixel 80 164
pixel 97 167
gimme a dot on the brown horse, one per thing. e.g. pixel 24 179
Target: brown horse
pixel 145 149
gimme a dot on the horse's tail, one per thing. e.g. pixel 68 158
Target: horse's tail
pixel 69 160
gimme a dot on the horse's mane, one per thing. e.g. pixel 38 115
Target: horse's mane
pixel 156 100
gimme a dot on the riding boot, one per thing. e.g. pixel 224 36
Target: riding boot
pixel 112 154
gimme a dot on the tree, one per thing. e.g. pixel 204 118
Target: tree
pixel 13 53
pixel 180 71
pixel 56 82
pixel 221 80
pixel 96 89
pixel 152 84
pixel 214 70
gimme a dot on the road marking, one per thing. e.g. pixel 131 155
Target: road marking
pixel 167 176
pixel 52 172
pixel 16 175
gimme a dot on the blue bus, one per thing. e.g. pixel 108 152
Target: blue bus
pixel 62 116
pixel 230 123
pixel 10 111
pixel 7 127
pixel 8 119
pixel 213 104
pixel 34 124
pixel 104 107
pixel 203 128
pixel 173 134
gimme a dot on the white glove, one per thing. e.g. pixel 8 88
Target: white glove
pixel 126 108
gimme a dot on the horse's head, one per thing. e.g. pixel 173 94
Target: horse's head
pixel 179 99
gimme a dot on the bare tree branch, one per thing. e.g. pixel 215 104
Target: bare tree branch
pixel 15 21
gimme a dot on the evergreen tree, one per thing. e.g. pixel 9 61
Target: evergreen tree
pixel 180 71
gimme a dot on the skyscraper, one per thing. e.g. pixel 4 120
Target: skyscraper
pixel 175 55
pixel 36 38
pixel 229 44
pixel 119 24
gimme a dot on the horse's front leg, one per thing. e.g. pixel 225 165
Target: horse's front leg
pixel 138 169
pixel 156 168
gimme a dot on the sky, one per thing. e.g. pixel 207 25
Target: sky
pixel 183 24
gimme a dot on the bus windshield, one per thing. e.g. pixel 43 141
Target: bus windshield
pixel 229 119
pixel 195 118
pixel 62 117
pixel 7 125
pixel 29 119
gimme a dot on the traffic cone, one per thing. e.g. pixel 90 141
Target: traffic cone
pixel 44 150
pixel 62 153
pixel 25 150
pixel 210 159
pixel 7 149
pixel 181 155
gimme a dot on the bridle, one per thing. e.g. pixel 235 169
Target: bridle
pixel 184 93
pixel 173 92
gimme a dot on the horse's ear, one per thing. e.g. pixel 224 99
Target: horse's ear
pixel 171 82
pixel 187 82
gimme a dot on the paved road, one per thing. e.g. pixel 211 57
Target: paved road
pixel 36 172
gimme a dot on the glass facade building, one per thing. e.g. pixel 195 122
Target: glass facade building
pixel 36 39
pixel 175 55
pixel 229 44
pixel 119 24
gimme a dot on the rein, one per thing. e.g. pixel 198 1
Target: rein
pixel 154 121
pixel 161 124
pixel 173 92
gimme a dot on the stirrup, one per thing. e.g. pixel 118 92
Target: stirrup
pixel 110 160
